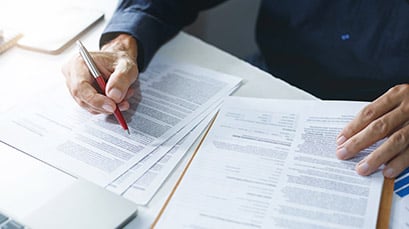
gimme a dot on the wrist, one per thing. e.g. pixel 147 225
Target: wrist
pixel 122 42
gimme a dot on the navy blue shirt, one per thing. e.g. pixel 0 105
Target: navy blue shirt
pixel 340 49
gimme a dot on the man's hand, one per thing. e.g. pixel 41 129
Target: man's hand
pixel 117 63
pixel 387 116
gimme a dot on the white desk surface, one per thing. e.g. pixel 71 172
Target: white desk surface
pixel 26 183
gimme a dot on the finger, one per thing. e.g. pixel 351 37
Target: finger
pixel 92 111
pixel 104 62
pixel 90 108
pixel 397 165
pixel 87 96
pixel 121 79
pixel 80 84
pixel 123 106
pixel 130 93
pixel 94 101
pixel 396 143
pixel 378 129
pixel 369 113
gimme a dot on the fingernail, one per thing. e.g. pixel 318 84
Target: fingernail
pixel 389 173
pixel 108 108
pixel 341 139
pixel 123 106
pixel 115 94
pixel 363 168
pixel 341 153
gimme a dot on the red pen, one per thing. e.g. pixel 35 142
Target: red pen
pixel 100 80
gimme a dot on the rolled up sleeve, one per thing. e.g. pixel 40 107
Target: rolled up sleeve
pixel 152 23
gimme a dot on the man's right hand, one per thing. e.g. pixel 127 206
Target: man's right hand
pixel 117 63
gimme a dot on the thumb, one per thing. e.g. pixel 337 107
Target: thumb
pixel 124 75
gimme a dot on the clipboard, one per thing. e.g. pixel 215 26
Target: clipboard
pixel 384 205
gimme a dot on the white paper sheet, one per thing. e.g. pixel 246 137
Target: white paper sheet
pixel 54 129
pixel 271 164
pixel 399 212
pixel 400 202
pixel 124 182
pixel 144 188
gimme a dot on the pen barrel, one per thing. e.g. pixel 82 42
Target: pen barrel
pixel 101 83
pixel 118 115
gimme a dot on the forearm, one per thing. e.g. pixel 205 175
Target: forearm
pixel 152 23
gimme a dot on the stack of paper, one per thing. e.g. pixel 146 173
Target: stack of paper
pixel 271 164
pixel 171 107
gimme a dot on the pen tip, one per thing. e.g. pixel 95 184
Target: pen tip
pixel 128 132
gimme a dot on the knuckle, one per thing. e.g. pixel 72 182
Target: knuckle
pixel 403 87
pixel 379 127
pixel 388 100
pixel 131 68
pixel 404 107
pixel 398 139
pixel 77 89
pixel 368 113
pixel 394 89
pixel 75 92
pixel 82 104
pixel 354 141
pixel 88 97
pixel 398 88
pixel 80 91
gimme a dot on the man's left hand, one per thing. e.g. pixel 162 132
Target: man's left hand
pixel 387 116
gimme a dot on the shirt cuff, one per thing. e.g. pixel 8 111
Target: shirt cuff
pixel 149 32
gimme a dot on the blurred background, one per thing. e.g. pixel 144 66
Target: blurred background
pixel 218 26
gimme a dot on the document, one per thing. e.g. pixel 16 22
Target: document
pixel 271 164
pixel 144 188
pixel 399 212
pixel 401 186
pixel 123 183
pixel 55 130
pixel 400 202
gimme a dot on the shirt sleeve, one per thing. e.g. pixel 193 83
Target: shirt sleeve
pixel 152 22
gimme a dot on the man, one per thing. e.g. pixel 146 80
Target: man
pixel 333 49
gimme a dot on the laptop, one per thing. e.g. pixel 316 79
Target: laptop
pixel 36 195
